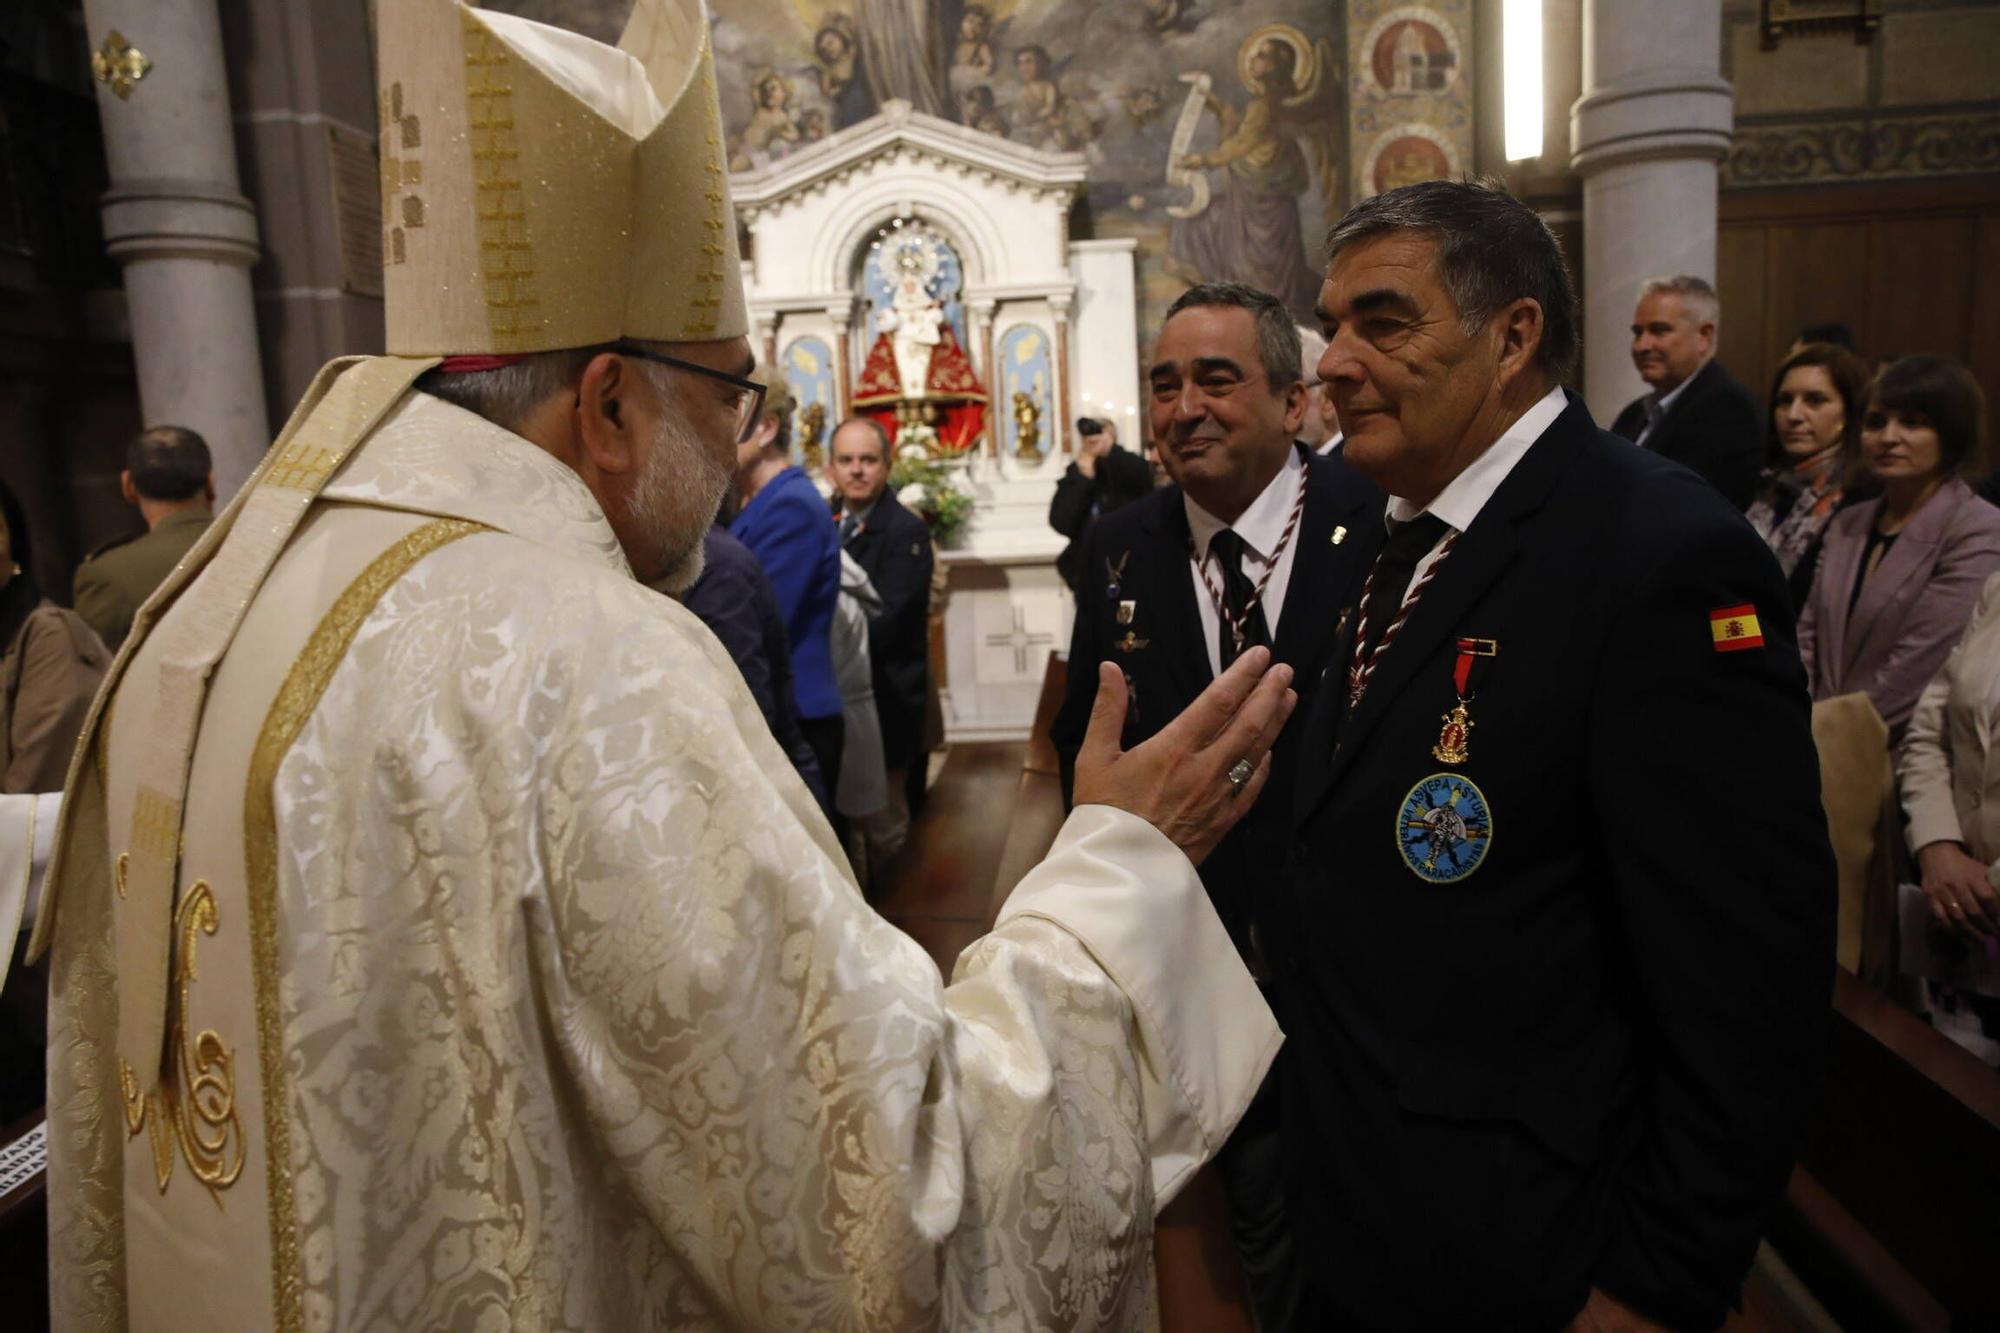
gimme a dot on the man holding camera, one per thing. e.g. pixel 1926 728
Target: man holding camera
pixel 1105 476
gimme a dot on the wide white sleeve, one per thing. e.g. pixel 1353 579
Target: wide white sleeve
pixel 812 1120
pixel 1204 1035
pixel 27 836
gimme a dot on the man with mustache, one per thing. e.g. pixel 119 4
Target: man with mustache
pixel 1695 413
pixel 1247 548
pixel 1552 1033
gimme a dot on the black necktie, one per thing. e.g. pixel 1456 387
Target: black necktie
pixel 1407 544
pixel 1239 595
pixel 849 525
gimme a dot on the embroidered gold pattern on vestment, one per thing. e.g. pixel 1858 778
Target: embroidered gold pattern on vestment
pixel 294 704
pixel 196 1102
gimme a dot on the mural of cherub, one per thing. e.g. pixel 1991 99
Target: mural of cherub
pixel 772 121
pixel 1040 115
pixel 977 109
pixel 842 80
pixel 974 50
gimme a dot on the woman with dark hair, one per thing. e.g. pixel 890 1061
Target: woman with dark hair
pixel 1899 575
pixel 1812 453
pixel 50 666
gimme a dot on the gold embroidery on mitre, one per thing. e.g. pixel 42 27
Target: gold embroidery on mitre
pixel 507 256
pixel 195 1103
pixel 590 181
pixel 296 699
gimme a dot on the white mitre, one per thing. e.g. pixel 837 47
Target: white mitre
pixel 541 190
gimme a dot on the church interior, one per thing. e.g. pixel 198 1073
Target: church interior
pixel 967 222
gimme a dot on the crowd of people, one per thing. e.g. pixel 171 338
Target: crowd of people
pixel 537 982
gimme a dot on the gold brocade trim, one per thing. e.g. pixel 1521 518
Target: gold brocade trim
pixel 297 697
pixel 197 1108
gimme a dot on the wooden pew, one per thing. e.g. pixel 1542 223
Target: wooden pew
pixel 1890 1218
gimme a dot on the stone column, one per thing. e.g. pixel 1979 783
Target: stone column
pixel 1059 441
pixel 843 356
pixel 186 237
pixel 1647 134
pixel 980 334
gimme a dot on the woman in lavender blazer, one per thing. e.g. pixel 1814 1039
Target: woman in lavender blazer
pixel 1899 575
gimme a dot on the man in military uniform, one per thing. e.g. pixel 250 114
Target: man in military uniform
pixel 1553 1030
pixel 167 477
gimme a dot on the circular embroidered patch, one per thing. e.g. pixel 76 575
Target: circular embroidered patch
pixel 1444 829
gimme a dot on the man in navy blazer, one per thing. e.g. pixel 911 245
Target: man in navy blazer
pixel 1694 411
pixel 1163 578
pixel 894 546
pixel 1557 934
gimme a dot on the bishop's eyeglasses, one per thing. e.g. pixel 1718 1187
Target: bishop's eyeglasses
pixel 749 393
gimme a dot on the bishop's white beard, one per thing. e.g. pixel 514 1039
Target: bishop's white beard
pixel 673 501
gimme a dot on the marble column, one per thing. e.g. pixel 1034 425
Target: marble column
pixel 981 336
pixel 841 317
pixel 1647 136
pixel 1059 436
pixel 176 221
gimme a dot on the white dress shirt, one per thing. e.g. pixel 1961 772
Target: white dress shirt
pixel 1460 502
pixel 1656 408
pixel 1261 527
pixel 1329 444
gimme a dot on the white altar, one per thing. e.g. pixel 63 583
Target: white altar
pixel 1048 323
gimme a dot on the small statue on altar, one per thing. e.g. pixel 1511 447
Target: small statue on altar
pixel 1027 428
pixel 911 323
pixel 917 383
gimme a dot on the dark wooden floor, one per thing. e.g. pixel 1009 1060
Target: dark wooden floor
pixel 940 886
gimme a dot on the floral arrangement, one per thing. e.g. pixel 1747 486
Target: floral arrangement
pixel 929 489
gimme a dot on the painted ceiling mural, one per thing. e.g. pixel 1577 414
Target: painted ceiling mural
pixel 1225 136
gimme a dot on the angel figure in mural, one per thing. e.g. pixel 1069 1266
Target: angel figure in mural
pixel 771 130
pixel 978 110
pixel 843 80
pixel 1250 231
pixel 1044 115
pixel 974 50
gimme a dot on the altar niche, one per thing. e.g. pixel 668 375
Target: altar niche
pixel 925 274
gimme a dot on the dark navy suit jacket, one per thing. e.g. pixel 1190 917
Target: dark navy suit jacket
pixel 1585 1060
pixel 734 599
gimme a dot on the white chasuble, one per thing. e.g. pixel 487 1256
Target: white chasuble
pixel 517 981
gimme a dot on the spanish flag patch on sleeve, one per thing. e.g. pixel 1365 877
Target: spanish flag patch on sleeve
pixel 1735 628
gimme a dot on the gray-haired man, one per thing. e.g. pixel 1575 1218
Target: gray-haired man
pixel 1550 1044
pixel 1694 413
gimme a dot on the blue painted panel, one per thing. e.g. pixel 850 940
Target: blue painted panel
pixel 808 370
pixel 1025 367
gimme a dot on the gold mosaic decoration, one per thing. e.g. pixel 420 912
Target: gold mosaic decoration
pixel 195 1104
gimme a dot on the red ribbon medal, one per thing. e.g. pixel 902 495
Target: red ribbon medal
pixel 1475 657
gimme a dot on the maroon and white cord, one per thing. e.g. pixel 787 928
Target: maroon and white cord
pixel 1366 656
pixel 1236 625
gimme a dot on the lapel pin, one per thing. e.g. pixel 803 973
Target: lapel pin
pixel 1339 535
pixel 1126 610
pixel 1130 643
